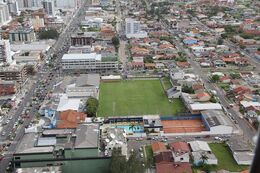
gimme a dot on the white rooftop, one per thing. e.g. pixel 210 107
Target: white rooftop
pixel 68 103
pixel 199 146
pixel 246 104
pixel 81 56
pixel 206 106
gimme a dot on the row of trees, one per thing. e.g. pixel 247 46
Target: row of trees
pixel 119 164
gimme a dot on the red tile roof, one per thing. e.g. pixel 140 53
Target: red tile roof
pixel 158 147
pixel 70 119
pixel 164 157
pixel 202 94
pixel 173 168
pixel 180 147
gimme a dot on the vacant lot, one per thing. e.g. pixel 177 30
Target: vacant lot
pixel 225 159
pixel 136 97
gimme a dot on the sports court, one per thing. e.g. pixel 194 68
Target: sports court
pixel 182 126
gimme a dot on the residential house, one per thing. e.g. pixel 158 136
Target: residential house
pixel 225 79
pixel 190 41
pixel 181 151
pixel 203 97
pixel 170 167
pixel 183 64
pixel 200 148
pixel 165 156
pixel 158 147
pixel 69 119
pixel 242 152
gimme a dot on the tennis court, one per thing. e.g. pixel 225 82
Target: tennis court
pixel 182 126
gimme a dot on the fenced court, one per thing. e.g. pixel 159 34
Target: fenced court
pixel 183 126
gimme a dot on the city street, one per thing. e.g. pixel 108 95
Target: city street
pixel 61 46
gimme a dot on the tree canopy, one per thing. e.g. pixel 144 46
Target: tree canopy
pixel 119 164
pixel 215 78
pixel 92 106
pixel 115 41
pixel 49 34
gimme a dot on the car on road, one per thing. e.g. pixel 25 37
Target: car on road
pixel 141 155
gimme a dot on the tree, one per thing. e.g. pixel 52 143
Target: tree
pixel 220 41
pixel 30 70
pixel 148 59
pixel 258 49
pixel 91 106
pixel 215 78
pixel 134 164
pixel 187 89
pixel 49 34
pixel 116 42
pixel 118 162
pixel 235 75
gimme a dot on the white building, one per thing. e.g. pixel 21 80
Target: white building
pixel 68 103
pixel 66 4
pixel 86 85
pixel 5 52
pixel 87 62
pixel 217 122
pixel 13 7
pixel 29 4
pixel 48 6
pixel 4 14
pixel 132 29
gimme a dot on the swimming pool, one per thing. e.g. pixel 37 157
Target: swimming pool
pixel 129 129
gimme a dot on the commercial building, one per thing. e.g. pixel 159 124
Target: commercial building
pixel 38 23
pixel 242 153
pixel 66 4
pixel 75 150
pixel 88 62
pixel 13 7
pixel 86 85
pixel 83 38
pixel 132 29
pixel 216 121
pixel 27 56
pixel 13 73
pixel 22 34
pixel 29 4
pixel 7 88
pixel 5 52
pixel 4 14
pixel 48 6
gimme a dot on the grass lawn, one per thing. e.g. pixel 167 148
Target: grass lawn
pixel 166 82
pixel 136 97
pixel 225 158
pixel 148 156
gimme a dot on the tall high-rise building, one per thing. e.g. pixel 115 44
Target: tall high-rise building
pixel 13 7
pixel 65 4
pixel 29 4
pixel 48 6
pixel 5 52
pixel 132 28
pixel 4 14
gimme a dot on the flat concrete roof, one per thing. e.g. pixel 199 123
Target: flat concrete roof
pixel 87 136
pixel 27 145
